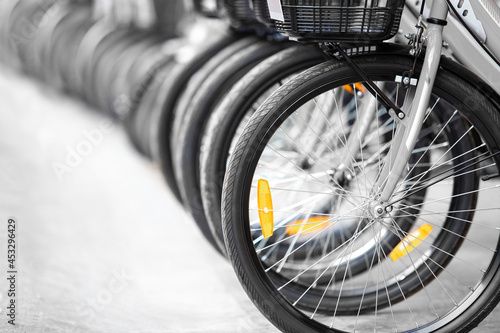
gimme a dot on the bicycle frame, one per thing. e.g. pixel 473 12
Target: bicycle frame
pixel 415 107
pixel 460 44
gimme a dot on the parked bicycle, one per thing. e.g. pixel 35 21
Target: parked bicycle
pixel 358 189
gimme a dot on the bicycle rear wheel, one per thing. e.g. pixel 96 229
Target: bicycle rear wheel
pixel 444 272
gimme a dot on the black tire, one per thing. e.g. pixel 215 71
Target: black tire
pixel 127 95
pixel 170 92
pixel 118 38
pixel 480 108
pixel 66 61
pixel 42 42
pixel 23 28
pixel 227 117
pixel 84 54
pixel 63 51
pixel 106 68
pixel 143 113
pixel 188 130
pixel 184 102
pixel 148 53
pixel 148 78
pixel 161 115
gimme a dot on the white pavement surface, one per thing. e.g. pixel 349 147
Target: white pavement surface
pixel 105 248
pixel 102 244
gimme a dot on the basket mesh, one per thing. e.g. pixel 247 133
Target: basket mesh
pixel 342 20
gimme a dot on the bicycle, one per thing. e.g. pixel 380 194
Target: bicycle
pixel 366 186
pixel 241 101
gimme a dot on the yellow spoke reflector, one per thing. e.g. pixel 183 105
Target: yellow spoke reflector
pixel 357 85
pixel 410 242
pixel 348 88
pixel 360 87
pixel 313 224
pixel 265 204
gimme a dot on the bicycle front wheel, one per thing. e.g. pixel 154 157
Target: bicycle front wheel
pixel 332 265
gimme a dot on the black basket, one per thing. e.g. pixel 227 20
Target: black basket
pixel 341 20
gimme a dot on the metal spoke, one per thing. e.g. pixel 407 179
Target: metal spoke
pixel 449 231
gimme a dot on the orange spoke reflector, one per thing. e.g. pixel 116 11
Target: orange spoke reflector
pixel 265 204
pixel 357 85
pixel 313 224
pixel 348 88
pixel 360 87
pixel 410 242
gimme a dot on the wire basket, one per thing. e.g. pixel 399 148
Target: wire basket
pixel 341 20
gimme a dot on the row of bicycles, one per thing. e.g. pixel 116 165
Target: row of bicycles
pixel 342 154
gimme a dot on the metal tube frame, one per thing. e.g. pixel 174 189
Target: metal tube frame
pixel 461 45
pixel 410 127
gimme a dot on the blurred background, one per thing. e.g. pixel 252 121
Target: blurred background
pixel 104 248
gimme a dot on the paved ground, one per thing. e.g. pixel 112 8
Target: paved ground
pixel 102 245
pixel 106 215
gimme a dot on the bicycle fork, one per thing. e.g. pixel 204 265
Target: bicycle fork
pixel 415 107
pixel 409 128
pixel 413 111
